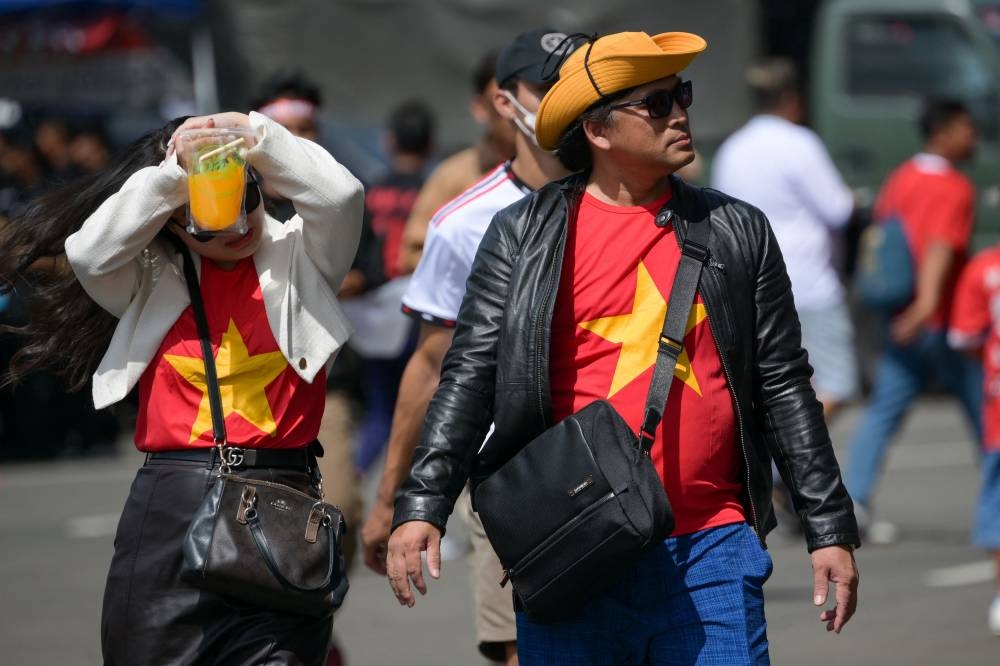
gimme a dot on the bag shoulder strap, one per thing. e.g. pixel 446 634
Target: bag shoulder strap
pixel 694 253
pixel 211 377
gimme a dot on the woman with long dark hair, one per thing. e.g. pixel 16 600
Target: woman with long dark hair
pixel 119 311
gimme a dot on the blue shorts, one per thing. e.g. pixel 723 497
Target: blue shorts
pixel 986 533
pixel 696 599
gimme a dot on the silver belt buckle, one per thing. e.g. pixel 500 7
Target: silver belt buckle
pixel 234 457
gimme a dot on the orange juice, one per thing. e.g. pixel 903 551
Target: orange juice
pixel 216 196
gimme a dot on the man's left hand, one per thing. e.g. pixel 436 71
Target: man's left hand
pixel 906 327
pixel 835 564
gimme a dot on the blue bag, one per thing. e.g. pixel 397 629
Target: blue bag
pixel 885 278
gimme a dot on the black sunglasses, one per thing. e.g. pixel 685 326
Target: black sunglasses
pixel 251 200
pixel 660 103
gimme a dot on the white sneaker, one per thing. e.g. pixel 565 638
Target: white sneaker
pixel 994 617
pixel 882 533
pixel 454 549
pixel 875 532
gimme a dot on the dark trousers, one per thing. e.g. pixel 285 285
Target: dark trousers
pixel 380 379
pixel 152 616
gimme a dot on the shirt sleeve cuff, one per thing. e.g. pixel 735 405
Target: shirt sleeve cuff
pixel 962 340
pixel 427 318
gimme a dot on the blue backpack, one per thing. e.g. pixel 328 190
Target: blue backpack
pixel 885 277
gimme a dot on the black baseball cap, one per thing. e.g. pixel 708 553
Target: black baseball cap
pixel 534 56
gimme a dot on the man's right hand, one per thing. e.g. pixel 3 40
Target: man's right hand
pixel 403 562
pixel 375 536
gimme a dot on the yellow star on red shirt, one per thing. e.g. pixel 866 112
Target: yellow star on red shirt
pixel 638 332
pixel 242 381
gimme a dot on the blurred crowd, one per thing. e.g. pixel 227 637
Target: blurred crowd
pixel 817 223
pixel 798 187
pixel 39 148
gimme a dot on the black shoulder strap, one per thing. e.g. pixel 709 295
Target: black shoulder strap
pixel 211 378
pixel 694 253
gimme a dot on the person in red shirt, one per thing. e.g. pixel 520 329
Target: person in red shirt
pixel 409 141
pixel 935 203
pixel 565 305
pixel 122 319
pixel 975 329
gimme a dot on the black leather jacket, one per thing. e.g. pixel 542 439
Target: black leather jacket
pixel 497 370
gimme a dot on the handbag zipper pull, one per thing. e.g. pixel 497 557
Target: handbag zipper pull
pixel 248 505
pixel 506 577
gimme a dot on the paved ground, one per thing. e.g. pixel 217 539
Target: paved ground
pixel 923 601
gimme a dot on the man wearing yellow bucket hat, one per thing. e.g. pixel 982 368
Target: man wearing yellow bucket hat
pixel 564 307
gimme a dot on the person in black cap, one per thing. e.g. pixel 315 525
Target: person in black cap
pixel 457 172
pixel 433 298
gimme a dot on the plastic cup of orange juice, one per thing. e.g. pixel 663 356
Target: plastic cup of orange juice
pixel 215 161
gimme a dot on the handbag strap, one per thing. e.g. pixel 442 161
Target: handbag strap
pixel 694 253
pixel 211 377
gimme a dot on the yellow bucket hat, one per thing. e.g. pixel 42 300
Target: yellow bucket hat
pixel 605 66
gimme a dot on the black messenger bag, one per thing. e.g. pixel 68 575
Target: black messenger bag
pixel 573 508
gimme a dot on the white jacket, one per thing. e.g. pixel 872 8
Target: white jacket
pixel 300 264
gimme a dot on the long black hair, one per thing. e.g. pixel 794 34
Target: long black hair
pixel 67 333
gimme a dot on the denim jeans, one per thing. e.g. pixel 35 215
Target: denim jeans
pixel 693 600
pixel 899 379
pixel 380 379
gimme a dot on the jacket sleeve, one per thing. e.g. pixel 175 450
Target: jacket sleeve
pixel 460 414
pixel 328 199
pixel 105 253
pixel 791 416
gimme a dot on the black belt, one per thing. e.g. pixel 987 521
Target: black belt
pixel 303 457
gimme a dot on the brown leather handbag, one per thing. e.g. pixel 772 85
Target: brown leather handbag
pixel 264 543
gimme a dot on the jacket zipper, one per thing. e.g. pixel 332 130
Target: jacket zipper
pixel 540 330
pixel 539 340
pixel 554 537
pixel 732 392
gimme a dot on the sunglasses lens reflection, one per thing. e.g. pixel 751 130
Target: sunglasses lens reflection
pixel 660 103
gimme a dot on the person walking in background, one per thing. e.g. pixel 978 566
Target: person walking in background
pixel 409 143
pixel 456 173
pixel 935 203
pixel 524 356
pixel 89 147
pixel 53 138
pixel 782 167
pixel 38 420
pixel 386 337
pixel 975 329
pixel 295 103
pixel 125 310
pixel 433 299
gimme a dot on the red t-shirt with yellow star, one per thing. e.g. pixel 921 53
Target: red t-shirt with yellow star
pixel 616 280
pixel 266 404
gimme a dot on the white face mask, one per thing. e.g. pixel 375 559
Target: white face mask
pixel 526 123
